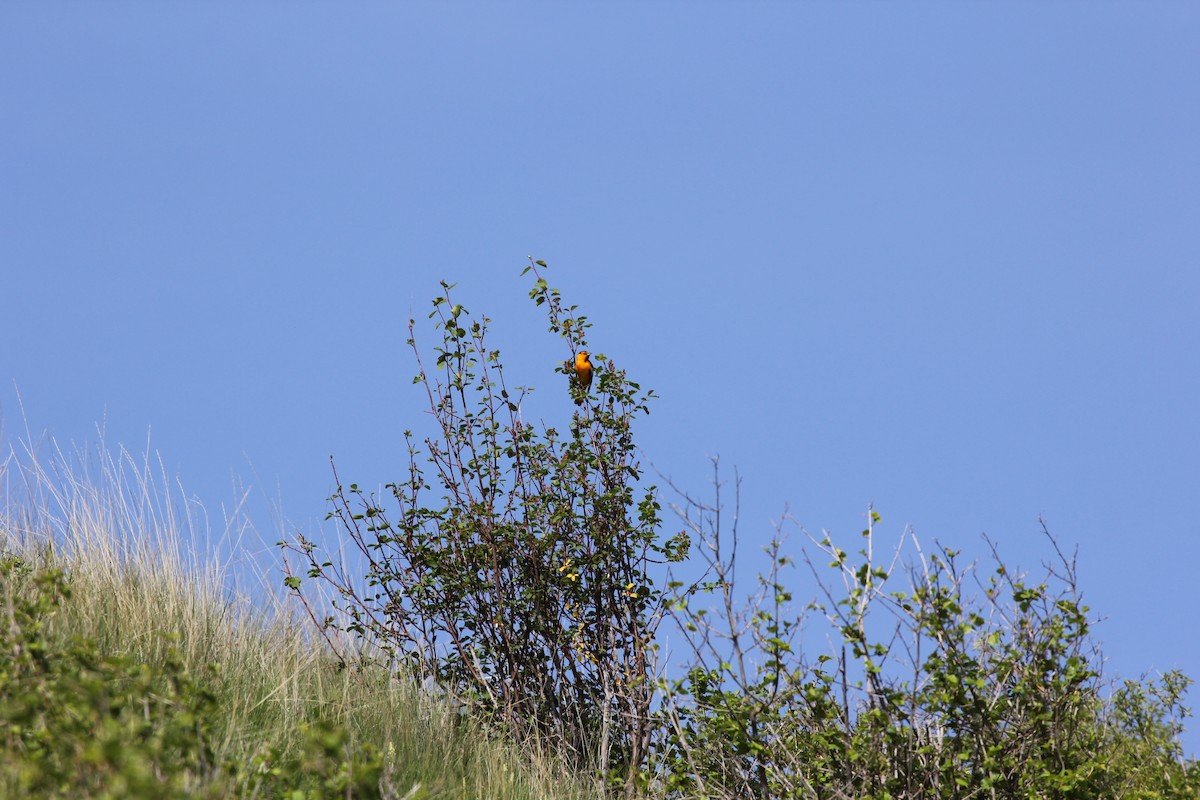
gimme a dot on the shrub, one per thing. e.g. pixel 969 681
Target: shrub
pixel 513 567
pixel 78 723
pixel 81 724
pixel 952 684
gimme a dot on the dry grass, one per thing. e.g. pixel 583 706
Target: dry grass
pixel 145 579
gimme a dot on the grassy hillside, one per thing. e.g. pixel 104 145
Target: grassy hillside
pixel 130 666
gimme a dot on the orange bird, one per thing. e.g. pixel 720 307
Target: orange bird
pixel 583 374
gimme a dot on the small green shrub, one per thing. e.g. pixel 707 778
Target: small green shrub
pixel 514 567
pixel 76 723
pixel 81 724
pixel 950 685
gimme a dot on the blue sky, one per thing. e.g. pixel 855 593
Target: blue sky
pixel 943 258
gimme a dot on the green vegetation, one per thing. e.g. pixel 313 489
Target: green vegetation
pixel 516 574
pixel 127 670
pixel 962 681
pixel 526 573
pixel 505 640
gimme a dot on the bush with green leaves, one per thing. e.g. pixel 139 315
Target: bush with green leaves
pixel 511 565
pixel 76 722
pixel 525 574
pixel 952 684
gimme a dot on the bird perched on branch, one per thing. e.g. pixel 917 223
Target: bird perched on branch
pixel 583 375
